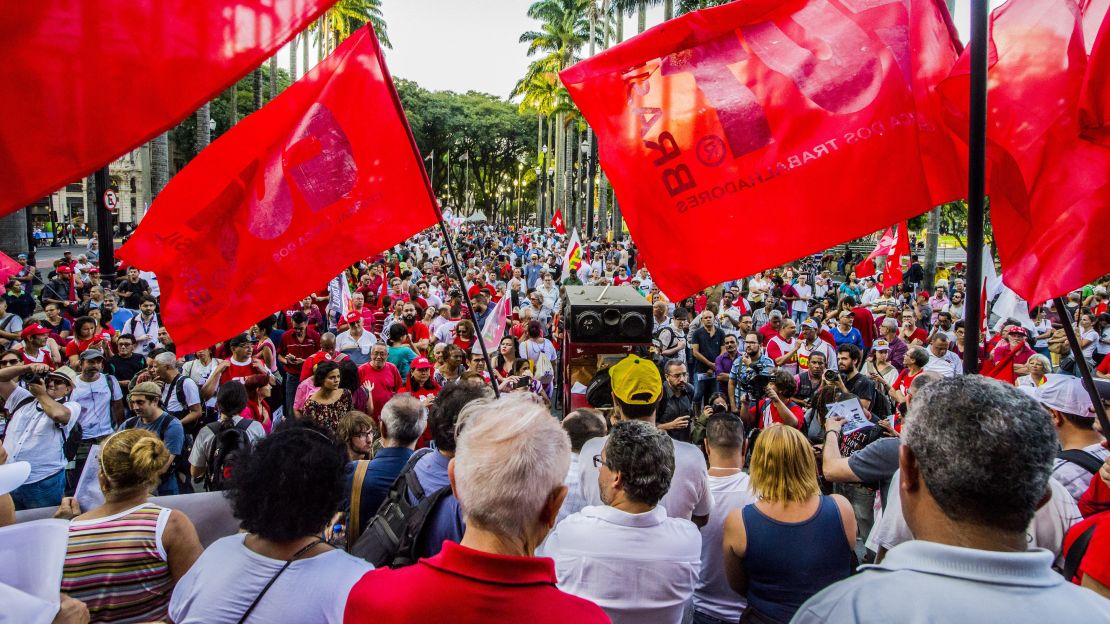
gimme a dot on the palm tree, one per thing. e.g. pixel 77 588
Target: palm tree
pixel 293 59
pixel 257 75
pixel 347 16
pixel 203 134
pixel 273 76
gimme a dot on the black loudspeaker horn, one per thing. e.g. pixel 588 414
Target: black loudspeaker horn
pixel 606 314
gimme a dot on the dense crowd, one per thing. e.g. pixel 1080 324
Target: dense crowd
pixel 799 445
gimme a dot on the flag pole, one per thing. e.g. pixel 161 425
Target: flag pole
pixel 1081 365
pixel 976 184
pixel 435 205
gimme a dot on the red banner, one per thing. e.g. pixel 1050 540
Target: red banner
pixel 89 80
pixel 1049 187
pixel 323 175
pixel 800 124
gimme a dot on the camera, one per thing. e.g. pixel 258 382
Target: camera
pixel 830 376
pixel 719 409
pixel 31 378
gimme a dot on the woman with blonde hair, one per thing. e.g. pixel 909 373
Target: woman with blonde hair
pixel 125 556
pixel 792 542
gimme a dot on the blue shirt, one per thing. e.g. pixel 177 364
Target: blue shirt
pixel 852 337
pixel 120 317
pixel 380 475
pixel 446 521
pixel 531 275
pixel 174 439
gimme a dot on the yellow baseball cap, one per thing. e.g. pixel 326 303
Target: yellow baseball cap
pixel 636 377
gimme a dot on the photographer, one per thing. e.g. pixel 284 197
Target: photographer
pixel 677 407
pixel 41 418
pixel 777 405
pixel 850 381
pixel 750 373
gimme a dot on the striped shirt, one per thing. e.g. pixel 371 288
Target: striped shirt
pixel 117 565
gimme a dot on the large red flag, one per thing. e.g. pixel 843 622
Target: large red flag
pixel 866 268
pixel 1049 187
pixel 89 80
pixel 322 176
pixel 800 124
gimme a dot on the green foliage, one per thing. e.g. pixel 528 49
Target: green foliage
pixel 497 137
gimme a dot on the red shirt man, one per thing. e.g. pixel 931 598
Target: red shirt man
pixel 297 344
pixel 865 323
pixel 384 376
pixel 463 585
pixel 1015 341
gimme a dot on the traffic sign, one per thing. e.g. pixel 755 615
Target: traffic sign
pixel 111 201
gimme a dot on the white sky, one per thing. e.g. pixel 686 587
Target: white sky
pixel 463 45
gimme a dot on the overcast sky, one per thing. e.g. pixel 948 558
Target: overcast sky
pixel 463 45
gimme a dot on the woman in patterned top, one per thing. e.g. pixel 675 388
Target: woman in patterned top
pixel 330 403
pixel 125 556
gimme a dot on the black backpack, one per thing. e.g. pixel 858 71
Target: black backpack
pixel 228 442
pixel 181 461
pixel 392 535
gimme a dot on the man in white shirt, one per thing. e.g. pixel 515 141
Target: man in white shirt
pixel 41 418
pixel 602 553
pixel 800 306
pixel 871 293
pixel 581 425
pixel 636 390
pixel 725 444
pixel 101 401
pixel 941 360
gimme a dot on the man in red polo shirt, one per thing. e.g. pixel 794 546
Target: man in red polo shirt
pixel 480 285
pixel 296 345
pixel 419 337
pixel 1015 342
pixel 492 575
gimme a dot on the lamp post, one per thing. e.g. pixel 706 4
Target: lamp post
pixel 588 150
pixel 541 205
pixel 211 128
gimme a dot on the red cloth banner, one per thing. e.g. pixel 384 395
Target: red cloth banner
pixel 801 123
pixel 1049 187
pixel 557 222
pixel 325 174
pixel 8 267
pixel 89 80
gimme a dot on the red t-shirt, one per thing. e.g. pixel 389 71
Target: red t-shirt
pixel 865 323
pixel 425 395
pixel 778 347
pixel 466 586
pixel 768 332
pixel 918 334
pixel 903 380
pixel 77 347
pixel 387 381
pixel 768 414
pixel 311 361
pixel 418 332
pixel 1096 561
pixel 237 371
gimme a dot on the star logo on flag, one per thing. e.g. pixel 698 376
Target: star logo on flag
pixel 558 222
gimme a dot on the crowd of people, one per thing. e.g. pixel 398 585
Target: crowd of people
pixel 785 440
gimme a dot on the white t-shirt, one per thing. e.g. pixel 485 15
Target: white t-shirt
pixel 689 494
pixel 200 373
pixel 1043 326
pixel 1089 350
pixel 95 399
pixel 34 438
pixel 803 290
pixel 713 596
pixel 365 342
pixel 170 393
pixel 310 590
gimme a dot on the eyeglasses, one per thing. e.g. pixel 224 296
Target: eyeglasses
pixel 599 462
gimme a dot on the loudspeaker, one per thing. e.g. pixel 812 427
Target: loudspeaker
pixel 612 314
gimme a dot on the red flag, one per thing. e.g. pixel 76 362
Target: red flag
pixel 1002 370
pixel 284 201
pixel 1094 110
pixel 96 78
pixel 866 268
pixel 1049 188
pixel 735 116
pixel 8 268
pixel 557 222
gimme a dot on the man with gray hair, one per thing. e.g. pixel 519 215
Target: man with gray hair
pixel 602 552
pixel 508 469
pixel 976 461
pixel 180 394
pixel 888 331
pixel 403 419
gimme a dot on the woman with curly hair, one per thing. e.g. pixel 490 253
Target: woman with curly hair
pixel 279 569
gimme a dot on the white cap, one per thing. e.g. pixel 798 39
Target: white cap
pixel 1063 393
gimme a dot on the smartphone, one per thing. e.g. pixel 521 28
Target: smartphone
pixel 522 382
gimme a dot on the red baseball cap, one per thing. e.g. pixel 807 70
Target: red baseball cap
pixel 33 329
pixel 64 269
pixel 352 317
pixel 420 362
